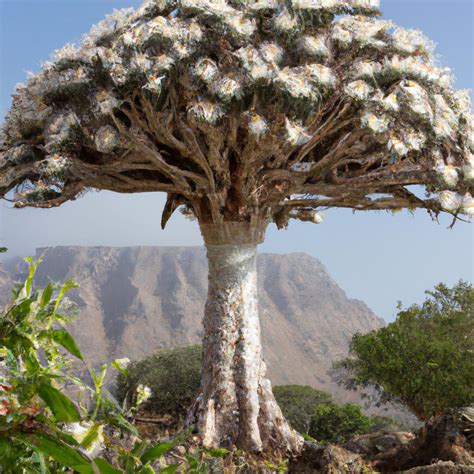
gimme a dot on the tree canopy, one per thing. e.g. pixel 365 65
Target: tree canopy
pixel 425 359
pixel 250 111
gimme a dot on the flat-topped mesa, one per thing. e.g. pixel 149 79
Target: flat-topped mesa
pixel 244 113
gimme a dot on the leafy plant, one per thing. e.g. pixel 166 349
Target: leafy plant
pixel 298 402
pixel 41 429
pixel 337 424
pixel 425 359
pixel 173 376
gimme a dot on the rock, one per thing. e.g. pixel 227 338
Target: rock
pixel 330 459
pixel 444 438
pixel 441 467
pixel 371 444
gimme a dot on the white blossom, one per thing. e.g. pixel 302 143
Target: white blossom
pixel 397 146
pixel 450 201
pixel 445 120
pixel 241 25
pixel 359 90
pixel 155 84
pixel 390 102
pixel 448 173
pixel 257 124
pixel 272 53
pixel 284 22
pixel 296 83
pixel 410 41
pixel 468 205
pixel 376 123
pixel 468 169
pixel 366 4
pixel 417 99
pixel 228 88
pixel 296 134
pixel 206 69
pixel 264 5
pixel 206 111
pixel 123 363
pixel 314 46
pixel 365 69
pixel 321 74
pixel 107 139
pixel 79 431
pixel 256 67
pixel 144 393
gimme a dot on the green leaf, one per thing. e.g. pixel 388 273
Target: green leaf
pixel 62 407
pixel 64 338
pixel 46 296
pixel 62 453
pixel 91 435
pixel 68 285
pixel 171 468
pixel 156 452
pixel 105 467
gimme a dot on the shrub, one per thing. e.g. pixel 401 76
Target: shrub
pixel 337 424
pixel 425 359
pixel 174 376
pixel 297 402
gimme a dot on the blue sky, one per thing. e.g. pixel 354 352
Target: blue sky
pixel 375 256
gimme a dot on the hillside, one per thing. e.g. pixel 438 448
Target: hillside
pixel 134 300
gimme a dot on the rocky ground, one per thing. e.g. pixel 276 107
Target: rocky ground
pixel 444 445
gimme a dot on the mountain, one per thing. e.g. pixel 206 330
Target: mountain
pixel 134 300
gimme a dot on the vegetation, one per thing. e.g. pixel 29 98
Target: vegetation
pixel 337 424
pixel 298 402
pixel 425 359
pixel 173 376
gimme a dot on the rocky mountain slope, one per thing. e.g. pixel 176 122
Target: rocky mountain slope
pixel 134 300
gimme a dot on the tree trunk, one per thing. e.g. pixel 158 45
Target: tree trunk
pixel 237 406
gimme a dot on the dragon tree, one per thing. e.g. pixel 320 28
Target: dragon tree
pixel 244 113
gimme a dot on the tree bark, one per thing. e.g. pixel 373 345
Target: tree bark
pixel 237 406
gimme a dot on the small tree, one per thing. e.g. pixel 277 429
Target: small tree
pixel 337 424
pixel 173 376
pixel 244 113
pixel 425 359
pixel 297 402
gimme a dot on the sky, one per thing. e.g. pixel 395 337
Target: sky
pixel 377 257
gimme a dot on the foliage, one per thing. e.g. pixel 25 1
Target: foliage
pixel 41 428
pixel 173 375
pixel 337 424
pixel 3 249
pixel 297 402
pixel 425 358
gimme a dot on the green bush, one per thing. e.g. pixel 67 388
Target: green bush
pixel 425 359
pixel 174 376
pixel 297 402
pixel 337 424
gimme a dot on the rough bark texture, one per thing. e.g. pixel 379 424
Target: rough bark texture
pixel 237 406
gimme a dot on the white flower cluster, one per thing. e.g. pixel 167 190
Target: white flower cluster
pixel 445 120
pixel 448 173
pixel 468 169
pixel 359 90
pixel 314 46
pixel 365 31
pixel 259 5
pixel 206 111
pixel 285 22
pixel 335 5
pixel 296 82
pixel 255 65
pixel 108 26
pixel 107 139
pixel 402 142
pixel 227 89
pixel 411 41
pixel 143 393
pixel 417 99
pixel 257 124
pixel 419 69
pixel 454 202
pixel 376 123
pixel 365 69
pixel 296 133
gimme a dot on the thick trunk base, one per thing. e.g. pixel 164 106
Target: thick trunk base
pixel 237 406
